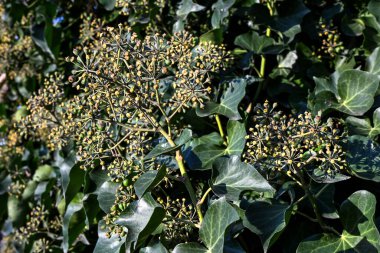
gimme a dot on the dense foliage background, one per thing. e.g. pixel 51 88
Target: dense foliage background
pixel 189 126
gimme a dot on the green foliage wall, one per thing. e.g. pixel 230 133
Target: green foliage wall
pixel 189 126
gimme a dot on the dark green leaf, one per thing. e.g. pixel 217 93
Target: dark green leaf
pixel 231 177
pixel 165 147
pixel 109 5
pixel 218 217
pixel 357 215
pixel 267 220
pixel 236 138
pixel 363 158
pixel 149 180
pixel 141 218
pixel 105 244
pixel 253 42
pixel 191 247
pixel 154 247
pixel 38 33
pixel 228 103
pixel 220 9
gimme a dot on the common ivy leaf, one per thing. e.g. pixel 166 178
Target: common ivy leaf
pixel 267 219
pixel 230 177
pixel 191 247
pixel 259 44
pixel 165 147
pixel 354 92
pixel 109 5
pixel 105 244
pixel 141 218
pixel 149 180
pixel 360 233
pixel 229 101
pixel 218 217
pixel 203 153
pixel 363 126
pixel 154 247
pixel 220 12
pixel 363 157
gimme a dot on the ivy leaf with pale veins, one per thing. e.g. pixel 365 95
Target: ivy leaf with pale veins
pixel 218 217
pixel 229 101
pixel 230 177
pixel 360 233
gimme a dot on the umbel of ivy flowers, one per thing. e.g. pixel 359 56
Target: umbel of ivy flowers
pixel 293 145
pixel 129 92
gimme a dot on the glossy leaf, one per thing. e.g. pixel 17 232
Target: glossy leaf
pixel 253 42
pixel 363 158
pixel 191 247
pixel 230 177
pixel 165 147
pixel 236 138
pixel 267 219
pixel 220 12
pixel 141 218
pixel 105 244
pixel 154 247
pixel 149 180
pixel 218 217
pixel 229 102
pixel 363 126
pixel 109 5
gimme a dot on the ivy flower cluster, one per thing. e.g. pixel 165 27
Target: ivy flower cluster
pixel 128 92
pixel 290 145
pixel 330 38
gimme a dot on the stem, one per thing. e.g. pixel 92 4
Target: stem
pixel 263 59
pixel 203 199
pixel 182 169
pixel 313 202
pixel 219 125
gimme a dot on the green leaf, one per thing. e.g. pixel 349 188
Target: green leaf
pixel 38 34
pixel 363 126
pixel 149 180
pixel 236 137
pixel 374 8
pixel 253 42
pixel 267 219
pixel 154 247
pixel 165 147
pixel 109 5
pixel 73 222
pixel 141 218
pixel 354 92
pixel 373 62
pixel 105 244
pixel 352 26
pixel 106 195
pixel 357 215
pixel 210 147
pixel 363 158
pixel 215 36
pixel 72 177
pixel 330 243
pixel 43 173
pixel 220 9
pixel 185 7
pixel 229 102
pixel 230 177
pixel 191 247
pixel 218 217
pixel 324 194
pixel 360 233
